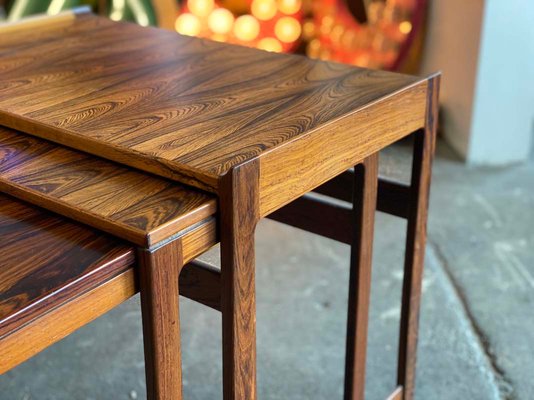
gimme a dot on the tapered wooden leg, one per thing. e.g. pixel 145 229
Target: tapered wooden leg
pixel 159 273
pixel 364 205
pixel 424 144
pixel 239 216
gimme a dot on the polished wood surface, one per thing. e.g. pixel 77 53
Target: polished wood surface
pixel 158 280
pixel 49 328
pixel 111 197
pixel 57 275
pixel 258 129
pixel 238 281
pixel 361 260
pixel 199 239
pixel 414 258
pixel 318 156
pixel 141 208
pixel 191 109
pixel 46 260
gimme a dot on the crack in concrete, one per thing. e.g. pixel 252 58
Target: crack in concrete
pixel 504 385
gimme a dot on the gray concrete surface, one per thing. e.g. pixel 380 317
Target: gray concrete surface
pixel 477 328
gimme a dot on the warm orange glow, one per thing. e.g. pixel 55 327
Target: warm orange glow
pixel 308 29
pixel 221 21
pixel 326 25
pixel 289 6
pixel 362 60
pixel 201 8
pixel 314 47
pixel 263 9
pixel 246 28
pixel 324 54
pixel 270 44
pixel 336 33
pixel 218 37
pixel 287 29
pixel 405 27
pixel 188 24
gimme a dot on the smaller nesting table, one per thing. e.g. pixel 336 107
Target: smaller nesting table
pixel 55 276
pixel 161 225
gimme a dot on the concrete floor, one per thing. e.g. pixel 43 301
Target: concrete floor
pixel 476 332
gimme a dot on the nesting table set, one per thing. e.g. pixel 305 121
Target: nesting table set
pixel 127 152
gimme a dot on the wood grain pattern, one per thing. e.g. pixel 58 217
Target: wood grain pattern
pixel 199 239
pixel 135 206
pixel 181 107
pixel 424 147
pixel 239 217
pixel 42 324
pixel 361 259
pixel 158 279
pixel 257 128
pixel 57 275
pixel 46 261
pixel 319 155
pixel 53 326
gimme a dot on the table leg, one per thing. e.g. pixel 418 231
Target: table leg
pixel 239 216
pixel 364 205
pixel 159 273
pixel 424 144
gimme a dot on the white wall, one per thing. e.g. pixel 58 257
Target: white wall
pixel 503 114
pixel 451 45
pixel 485 50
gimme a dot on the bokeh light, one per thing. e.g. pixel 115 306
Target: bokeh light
pixel 246 28
pixel 188 24
pixel 327 27
pixel 270 44
pixel 221 21
pixel 201 8
pixel 289 6
pixel 287 29
pixel 264 9
pixel 405 27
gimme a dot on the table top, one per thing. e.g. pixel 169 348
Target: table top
pixel 48 260
pixel 136 206
pixel 182 107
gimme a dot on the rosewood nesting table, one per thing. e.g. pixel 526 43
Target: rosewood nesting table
pixel 168 223
pixel 259 130
pixel 55 276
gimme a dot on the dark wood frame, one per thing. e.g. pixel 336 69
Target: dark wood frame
pixel 267 183
pixel 409 202
pixel 232 292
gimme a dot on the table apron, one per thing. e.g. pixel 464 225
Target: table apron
pixel 298 167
